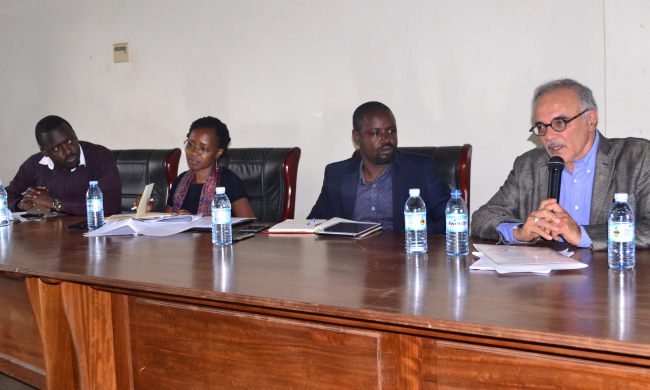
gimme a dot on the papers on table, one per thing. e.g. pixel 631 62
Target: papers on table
pixel 18 216
pixel 512 258
pixel 157 227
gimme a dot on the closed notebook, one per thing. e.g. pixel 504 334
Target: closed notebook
pixel 338 227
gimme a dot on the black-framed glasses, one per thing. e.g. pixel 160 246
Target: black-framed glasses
pixel 558 124
pixel 189 147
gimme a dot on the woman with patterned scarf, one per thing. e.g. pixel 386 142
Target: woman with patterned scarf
pixel 193 190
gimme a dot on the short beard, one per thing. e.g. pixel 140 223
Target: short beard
pixel 379 160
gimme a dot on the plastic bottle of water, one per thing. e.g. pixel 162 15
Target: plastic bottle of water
pixel 94 207
pixel 4 208
pixel 415 223
pixel 221 222
pixel 621 245
pixel 457 225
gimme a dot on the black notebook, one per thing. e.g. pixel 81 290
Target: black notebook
pixel 348 229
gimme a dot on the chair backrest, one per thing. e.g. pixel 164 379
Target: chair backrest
pixel 139 167
pixel 269 176
pixel 453 164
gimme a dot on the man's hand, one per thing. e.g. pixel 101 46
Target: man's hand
pixel 550 222
pixel 567 227
pixel 25 204
pixel 36 196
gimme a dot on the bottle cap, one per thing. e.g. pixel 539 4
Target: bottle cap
pixel 620 197
pixel 93 182
pixel 455 193
pixel 221 190
pixel 414 192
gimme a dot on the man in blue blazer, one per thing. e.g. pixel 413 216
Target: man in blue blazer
pixel 374 184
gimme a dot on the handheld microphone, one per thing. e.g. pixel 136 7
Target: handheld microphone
pixel 555 168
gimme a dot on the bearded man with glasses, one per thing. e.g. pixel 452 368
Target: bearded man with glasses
pixel 565 117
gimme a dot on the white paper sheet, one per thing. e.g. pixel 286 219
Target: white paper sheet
pixel 159 228
pixel 512 258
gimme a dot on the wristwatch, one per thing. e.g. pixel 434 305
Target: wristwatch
pixel 57 204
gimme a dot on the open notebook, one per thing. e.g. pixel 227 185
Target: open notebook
pixel 141 212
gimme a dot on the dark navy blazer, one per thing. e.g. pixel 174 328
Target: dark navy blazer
pixel 409 170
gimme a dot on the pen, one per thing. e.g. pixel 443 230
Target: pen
pixel 136 207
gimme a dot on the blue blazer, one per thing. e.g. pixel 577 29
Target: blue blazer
pixel 409 170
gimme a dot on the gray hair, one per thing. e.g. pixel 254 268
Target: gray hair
pixel 584 94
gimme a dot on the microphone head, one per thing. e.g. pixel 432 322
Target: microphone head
pixel 556 163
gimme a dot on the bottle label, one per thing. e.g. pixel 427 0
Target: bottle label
pixel 620 231
pixel 94 205
pixel 415 221
pixel 220 216
pixel 457 223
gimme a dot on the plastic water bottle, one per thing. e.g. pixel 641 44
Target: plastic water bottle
pixel 94 207
pixel 221 222
pixel 457 225
pixel 621 245
pixel 415 223
pixel 4 207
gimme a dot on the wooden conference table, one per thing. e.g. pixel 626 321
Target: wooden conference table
pixel 297 311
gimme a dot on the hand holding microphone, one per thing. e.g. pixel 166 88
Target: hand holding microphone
pixel 543 222
pixel 551 217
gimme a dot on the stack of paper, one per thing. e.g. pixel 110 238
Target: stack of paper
pixel 514 258
pixel 157 227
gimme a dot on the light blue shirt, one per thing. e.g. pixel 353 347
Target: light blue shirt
pixel 575 196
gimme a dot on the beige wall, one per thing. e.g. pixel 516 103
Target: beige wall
pixel 290 73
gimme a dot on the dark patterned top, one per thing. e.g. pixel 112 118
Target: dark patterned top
pixel 374 202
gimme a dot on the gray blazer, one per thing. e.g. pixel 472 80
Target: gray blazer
pixel 622 165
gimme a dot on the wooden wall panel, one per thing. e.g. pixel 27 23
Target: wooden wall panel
pixel 89 316
pixel 47 304
pixel 21 348
pixel 462 366
pixel 185 346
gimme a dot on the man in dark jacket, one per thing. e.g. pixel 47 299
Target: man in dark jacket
pixel 374 184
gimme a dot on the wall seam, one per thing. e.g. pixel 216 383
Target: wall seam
pixel 605 68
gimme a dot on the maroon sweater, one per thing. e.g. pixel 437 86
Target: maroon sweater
pixel 71 187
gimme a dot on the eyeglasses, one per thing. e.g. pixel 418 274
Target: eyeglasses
pixel 189 147
pixel 557 124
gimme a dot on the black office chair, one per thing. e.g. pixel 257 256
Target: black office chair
pixel 139 167
pixel 269 176
pixel 453 165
